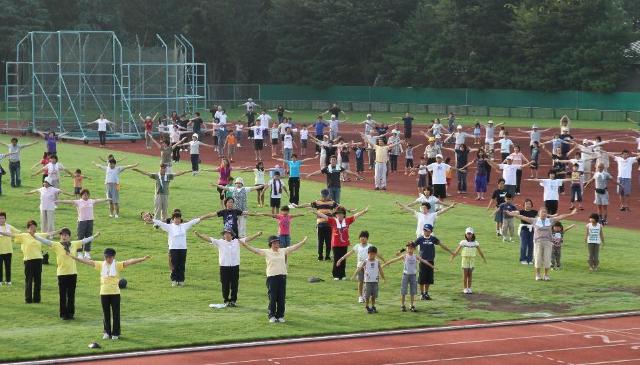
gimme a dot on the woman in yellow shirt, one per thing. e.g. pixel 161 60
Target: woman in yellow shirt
pixel 32 257
pixel 67 271
pixel 6 249
pixel 276 274
pixel 109 287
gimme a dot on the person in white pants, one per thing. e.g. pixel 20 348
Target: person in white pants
pixel 48 197
pixel 382 158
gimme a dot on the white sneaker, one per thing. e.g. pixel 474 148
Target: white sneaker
pixel 180 283
pixel 336 279
pixel 174 283
pixel 238 145
pixel 115 216
pixel 87 255
pixel 273 320
pixel 469 291
pixel 1 283
pixel 110 215
pixel 464 291
pixel 546 278
pixel 281 320
pixel 343 278
pixel 105 336
pixel 114 337
pixel 8 283
pixel 538 278
pixel 360 300
pixel 523 262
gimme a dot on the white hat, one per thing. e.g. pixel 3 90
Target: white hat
pixel 368 115
pixel 147 117
pixel 48 180
pixel 490 122
pixel 509 158
pixel 439 156
pixel 238 180
pixel 468 230
pixel 195 135
pixel 535 126
pixel 585 141
pixel 459 126
pixel 333 116
pixel 250 99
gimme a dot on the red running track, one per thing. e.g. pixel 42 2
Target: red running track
pixel 587 342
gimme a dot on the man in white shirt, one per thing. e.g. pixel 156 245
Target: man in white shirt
pixel 551 194
pixel 369 124
pixel 102 123
pixel 459 136
pixel 625 165
pixel 112 184
pixel 438 172
pixel 265 122
pixel 229 262
pixel 509 173
pixel 250 105
pixel 334 127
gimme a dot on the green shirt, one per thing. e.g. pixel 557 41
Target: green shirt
pixel 162 184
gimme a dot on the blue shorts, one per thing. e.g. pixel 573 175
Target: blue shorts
pixel 285 240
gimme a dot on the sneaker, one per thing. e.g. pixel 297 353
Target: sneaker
pixel 360 299
pixel 327 258
pixel 319 258
pixel 546 278
pixel 8 283
pixel 504 239
pixel 174 283
pixel 115 216
pixel 1 283
pixel 272 320
pixel 105 336
pixel 412 309
pixel 180 283
pixel 231 304
pixel 426 296
pixel 464 291
pixel 336 279
pixel 114 337
pixel 423 297
pixel 373 309
pixel 523 262
pixel 110 215
pixel 343 278
pixel 469 291
pixel 538 278
pixel 369 310
pixel 403 308
pixel 281 320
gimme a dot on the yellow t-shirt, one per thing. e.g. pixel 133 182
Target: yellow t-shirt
pixel 276 264
pixel 66 265
pixel 109 285
pixel 382 154
pixel 5 241
pixel 31 249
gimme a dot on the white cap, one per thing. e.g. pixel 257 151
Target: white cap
pixel 48 180
pixel 439 156
pixel 238 180
pixel 368 115
pixel 148 117
pixel 585 141
pixel 459 126
pixel 509 158
pixel 333 116
pixel 535 126
pixel 490 122
pixel 468 230
pixel 195 135
pixel 250 99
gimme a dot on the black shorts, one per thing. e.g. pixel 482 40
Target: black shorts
pixel 274 202
pixel 552 206
pixel 258 144
pixel 274 141
pixel 221 192
pixel 426 274
pixel 422 181
pixel 440 191
pixel 304 143
pixel 408 162
pixel 77 190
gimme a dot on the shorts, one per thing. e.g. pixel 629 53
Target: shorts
pixel 285 240
pixel 408 162
pixel 258 144
pixel 260 188
pixel 602 199
pixel 426 274
pixel 440 191
pixel 274 203
pixel 625 186
pixel 370 290
pixel 498 217
pixel 274 141
pixel 113 193
pixel 360 275
pixel 468 262
pixel 77 190
pixel 304 142
pixel 422 181
pixel 409 282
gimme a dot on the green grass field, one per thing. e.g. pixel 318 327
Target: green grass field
pixel 155 315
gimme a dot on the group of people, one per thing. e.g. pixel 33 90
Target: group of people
pixel 541 232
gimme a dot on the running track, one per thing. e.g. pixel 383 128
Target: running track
pixel 587 342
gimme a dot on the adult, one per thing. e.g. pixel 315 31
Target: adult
pixel 438 172
pixel 52 170
pixel 459 137
pixel 462 158
pixel 340 224
pixel 161 193
pixel 542 238
pixel 14 160
pixel 166 150
pixel 224 178
pixel 196 124
pixel 265 122
pixel 625 166
pixel 601 179
pixel 551 194
pixel 481 179
pixel 48 196
pixel 147 124
pixel 407 121
pixel 369 124
pixel 382 159
pixel 490 132
pixel 333 173
pixel 251 121
pixel 112 184
pixel 525 230
pixel 535 134
pixel 194 152
pixel 102 123
pixel 84 206
pixel 334 127
pixel 294 176
pixel 276 274
pixel 427 243
pixel 395 150
pixel 51 141
pixel 177 242
pixel 325 206
pixel 250 104
pixel 509 173
pixel 335 110
pixel 505 147
pixel 565 147
pixel 280 110
pixel 319 125
pixel 239 193
pixel 517 159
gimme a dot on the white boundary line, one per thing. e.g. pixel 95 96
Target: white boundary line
pixel 322 338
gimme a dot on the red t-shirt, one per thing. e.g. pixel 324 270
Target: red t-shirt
pixel 340 231
pixel 148 125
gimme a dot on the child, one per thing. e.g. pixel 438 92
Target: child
pixel 277 187
pixel 576 186
pixel 557 239
pixel 423 175
pixel 284 225
pixel 258 173
pixel 359 153
pixel 232 142
pixel 409 281
pixel 468 248
pixel 304 139
pixel 535 156
pixel 238 133
pixel 43 162
pixel 476 133
pixel 372 272
pixel 109 289
pixel 362 250
pixel 507 229
pixel 497 198
pixel 274 133
pixel 77 182
pixel 408 156
pixel 594 238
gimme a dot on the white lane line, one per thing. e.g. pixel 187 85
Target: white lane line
pixel 621 332
pixel 559 328
pixel 610 362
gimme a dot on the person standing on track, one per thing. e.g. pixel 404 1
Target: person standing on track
pixel 148 128
pixel 551 188
pixel 102 123
pixel 276 274
pixel 294 176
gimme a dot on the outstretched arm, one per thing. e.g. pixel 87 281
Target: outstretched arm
pixel 130 262
pixel 444 210
pixel 129 166
pixel 141 172
pixel 251 248
pixel 361 213
pixel 563 216
pixel 252 237
pixel 297 246
pixel 405 207
pixel 81 259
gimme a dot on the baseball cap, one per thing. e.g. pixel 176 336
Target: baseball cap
pixel 490 122
pixel 459 126
pixel 439 156
pixel 195 135
pixel 428 227
pixel 535 126
pixel 368 115
pixel 468 230
pixel 48 180
pixel 333 115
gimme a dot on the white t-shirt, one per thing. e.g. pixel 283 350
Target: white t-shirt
pixel 223 120
pixel 194 147
pixel 228 251
pixel 113 174
pixel 439 172
pixel 85 209
pixel 283 127
pixel 362 252
pixel 177 233
pixel 551 189
pixel 53 170
pixel 276 188
pixel 505 145
pixel 429 218
pixel 265 120
pixel 593 233
pixel 304 134
pixel 334 125
pixel 288 141
pixel 257 132
pixel 489 133
pixel 509 173
pixel 625 165
pixel 102 124
pixel 48 196
pixel 432 200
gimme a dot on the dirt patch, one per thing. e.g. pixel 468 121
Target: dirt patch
pixel 504 304
pixel 635 291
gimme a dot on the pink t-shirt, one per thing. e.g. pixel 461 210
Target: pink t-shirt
pixel 284 224
pixel 225 174
pixel 85 209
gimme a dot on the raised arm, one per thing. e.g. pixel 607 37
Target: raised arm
pixel 405 207
pixel 130 262
pixel 142 172
pixel 252 249
pixel 81 259
pixel 297 246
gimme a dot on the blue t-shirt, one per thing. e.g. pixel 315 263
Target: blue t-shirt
pixel 319 126
pixel 294 168
pixel 507 207
pixel 427 247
